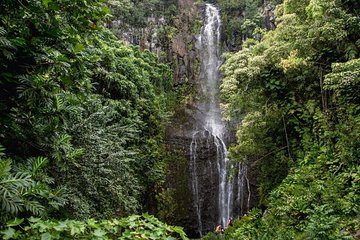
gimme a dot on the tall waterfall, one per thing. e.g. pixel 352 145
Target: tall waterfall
pixel 211 131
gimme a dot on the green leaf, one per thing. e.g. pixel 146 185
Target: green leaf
pixel 8 233
pixel 99 233
pixel 106 10
pixel 76 228
pixel 92 223
pixel 46 3
pixel 61 226
pixel 5 167
pixel 38 163
pixel 15 222
pixel 79 48
pixel 46 236
pixel 34 220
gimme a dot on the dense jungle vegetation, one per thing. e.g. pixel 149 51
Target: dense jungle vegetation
pixel 83 115
pixel 82 122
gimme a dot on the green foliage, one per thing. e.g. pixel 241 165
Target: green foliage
pixel 295 96
pixel 25 188
pixel 246 228
pixel 94 107
pixel 133 227
pixel 167 205
pixel 241 20
pixel 103 178
pixel 344 80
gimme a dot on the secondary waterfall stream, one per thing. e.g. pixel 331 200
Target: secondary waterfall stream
pixel 211 130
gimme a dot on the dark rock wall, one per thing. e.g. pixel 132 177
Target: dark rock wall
pixel 208 180
pixel 207 177
pixel 183 44
pixel 269 17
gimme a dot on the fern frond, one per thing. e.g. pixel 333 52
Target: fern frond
pixel 63 140
pixel 59 198
pixel 36 190
pixel 19 191
pixel 4 42
pixel 5 167
pixel 58 103
pixel 9 202
pixel 37 163
pixel 24 79
pixel 2 150
pixel 8 55
pixel 75 153
pixel 20 179
pixel 2 31
pixel 49 180
pixel 34 207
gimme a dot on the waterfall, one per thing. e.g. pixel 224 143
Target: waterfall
pixel 195 182
pixel 211 128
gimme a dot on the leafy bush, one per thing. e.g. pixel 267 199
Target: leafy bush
pixel 133 227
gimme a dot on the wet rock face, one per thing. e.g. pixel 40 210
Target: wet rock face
pixel 178 140
pixel 207 180
pixel 206 172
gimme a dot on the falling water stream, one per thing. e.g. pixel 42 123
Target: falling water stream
pixel 212 128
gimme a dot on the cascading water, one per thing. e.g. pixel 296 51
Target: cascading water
pixel 211 128
pixel 195 182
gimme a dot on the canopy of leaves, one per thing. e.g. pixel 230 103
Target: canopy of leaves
pixel 95 108
pixel 295 97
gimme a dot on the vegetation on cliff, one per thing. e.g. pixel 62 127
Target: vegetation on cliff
pixel 295 94
pixel 245 19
